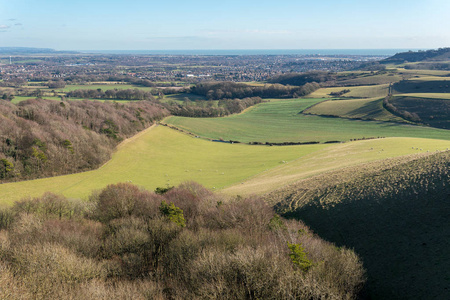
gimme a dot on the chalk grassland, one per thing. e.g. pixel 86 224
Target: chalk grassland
pixel 393 213
pixel 423 72
pixel 161 156
pixel 335 158
pixel 369 109
pixel 427 95
pixel 282 121
pixel 370 79
pixel 369 91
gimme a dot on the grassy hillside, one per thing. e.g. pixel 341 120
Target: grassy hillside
pixel 434 112
pixel 282 121
pixel 369 91
pixel 160 157
pixel 394 214
pixel 334 158
pixel 366 109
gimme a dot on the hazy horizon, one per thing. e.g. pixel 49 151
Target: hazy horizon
pixel 232 25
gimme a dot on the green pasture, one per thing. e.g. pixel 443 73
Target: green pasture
pixel 333 158
pixel 370 79
pixel 160 157
pixel 427 95
pixel 354 108
pixel 282 121
pixel 369 91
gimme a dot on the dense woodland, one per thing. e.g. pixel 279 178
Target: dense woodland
pixel 113 94
pixel 188 243
pixel 202 109
pixel 40 138
pixel 230 90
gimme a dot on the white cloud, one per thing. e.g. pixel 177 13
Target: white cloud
pixel 4 27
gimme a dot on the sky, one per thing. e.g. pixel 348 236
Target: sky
pixel 245 24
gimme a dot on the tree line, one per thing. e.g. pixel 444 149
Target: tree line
pixel 41 138
pixel 117 94
pixel 231 90
pixel 205 109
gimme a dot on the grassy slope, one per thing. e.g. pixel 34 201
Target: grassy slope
pixel 162 156
pixel 333 158
pixel 354 108
pixel 395 216
pixel 355 91
pixel 281 122
pixel 427 95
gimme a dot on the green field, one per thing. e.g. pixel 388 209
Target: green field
pixel 160 157
pixel 427 95
pixel 369 79
pixel 368 109
pixel 369 91
pixel 337 157
pixel 281 121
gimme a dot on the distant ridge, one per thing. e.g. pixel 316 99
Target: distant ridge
pixel 28 50
pixel 441 54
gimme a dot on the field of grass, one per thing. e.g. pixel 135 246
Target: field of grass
pixel 393 213
pixel 281 121
pixel 161 156
pixel 427 95
pixel 434 112
pixel 423 72
pixel 332 158
pixel 369 79
pixel 367 109
pixel 422 86
pixel 369 91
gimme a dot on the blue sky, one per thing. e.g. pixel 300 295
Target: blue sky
pixel 245 24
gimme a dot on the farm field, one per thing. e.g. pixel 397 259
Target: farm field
pixel 369 91
pixel 434 112
pixel 369 79
pixel 427 95
pixel 354 109
pixel 281 121
pixel 161 156
pixel 335 158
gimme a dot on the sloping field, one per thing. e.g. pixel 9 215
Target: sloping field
pixel 427 95
pixel 369 79
pixel 434 112
pixel 336 157
pixel 367 109
pixel 394 214
pixel 369 91
pixel 282 122
pixel 161 156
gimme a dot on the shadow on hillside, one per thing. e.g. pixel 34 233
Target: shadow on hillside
pixel 404 243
